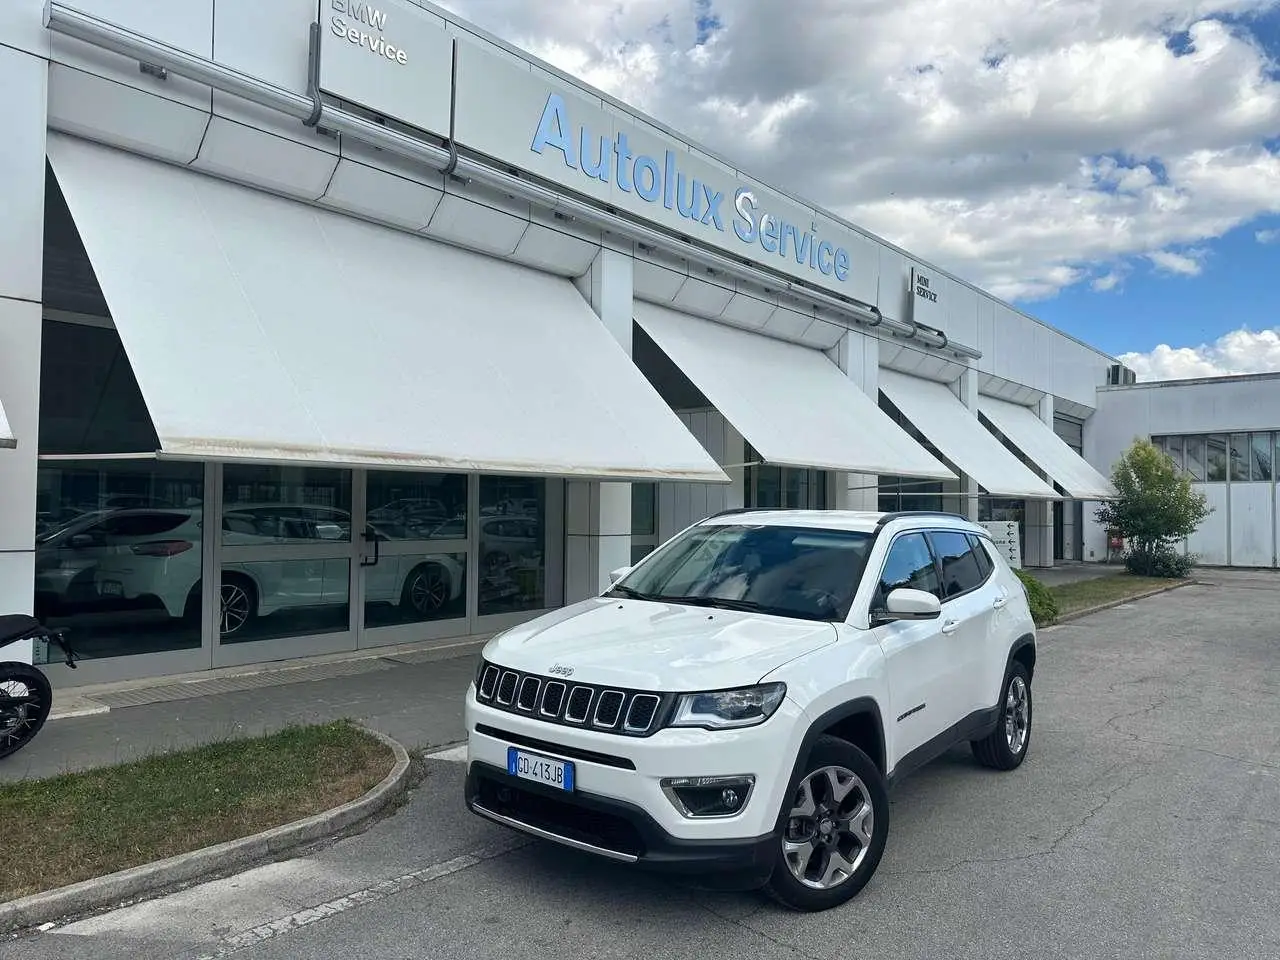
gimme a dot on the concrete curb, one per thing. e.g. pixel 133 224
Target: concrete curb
pixel 1088 611
pixel 135 882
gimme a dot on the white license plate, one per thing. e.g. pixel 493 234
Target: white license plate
pixel 111 588
pixel 544 770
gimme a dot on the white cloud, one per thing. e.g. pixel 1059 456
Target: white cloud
pixel 1237 352
pixel 1267 236
pixel 1179 263
pixel 1108 281
pixel 1025 145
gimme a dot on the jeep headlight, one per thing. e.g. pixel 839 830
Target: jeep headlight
pixel 729 709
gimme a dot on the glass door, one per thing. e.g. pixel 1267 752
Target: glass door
pixel 285 556
pixel 415 572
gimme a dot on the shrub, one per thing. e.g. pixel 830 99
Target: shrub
pixel 1044 607
pixel 1155 506
pixel 1160 561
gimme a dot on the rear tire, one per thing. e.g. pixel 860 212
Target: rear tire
pixel 835 822
pixel 20 723
pixel 238 604
pixel 1006 746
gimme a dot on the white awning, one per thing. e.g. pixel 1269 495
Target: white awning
pixel 6 435
pixel 791 403
pixel 960 437
pixel 261 328
pixel 1046 449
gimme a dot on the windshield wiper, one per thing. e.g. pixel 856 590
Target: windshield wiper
pixel 629 593
pixel 724 603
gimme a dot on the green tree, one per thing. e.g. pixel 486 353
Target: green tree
pixel 1155 506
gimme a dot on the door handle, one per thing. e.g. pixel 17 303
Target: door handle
pixel 1001 603
pixel 951 626
pixel 372 537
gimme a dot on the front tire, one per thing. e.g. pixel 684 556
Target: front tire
pixel 25 701
pixel 1006 746
pixel 835 822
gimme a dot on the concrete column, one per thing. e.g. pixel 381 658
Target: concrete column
pixel 23 78
pixel 598 514
pixel 1039 535
pixel 858 356
pixel 967 390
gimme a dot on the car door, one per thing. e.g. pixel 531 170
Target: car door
pixel 969 600
pixel 920 670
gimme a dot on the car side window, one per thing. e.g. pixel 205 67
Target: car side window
pixel 909 565
pixel 961 570
pixel 985 563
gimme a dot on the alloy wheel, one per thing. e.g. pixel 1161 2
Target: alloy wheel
pixel 1017 715
pixel 429 590
pixel 829 829
pixel 236 607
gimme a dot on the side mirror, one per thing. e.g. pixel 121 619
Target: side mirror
pixel 81 541
pixel 904 604
pixel 616 575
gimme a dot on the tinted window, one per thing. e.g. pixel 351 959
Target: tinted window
pixel 909 565
pixel 141 524
pixel 985 563
pixel 789 571
pixel 960 570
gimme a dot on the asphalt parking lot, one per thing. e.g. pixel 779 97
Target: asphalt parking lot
pixel 1145 823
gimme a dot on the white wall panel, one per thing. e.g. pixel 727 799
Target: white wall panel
pixel 656 282
pixel 187 26
pixel 549 245
pixel 22 78
pixel 491 229
pixel 788 324
pixel 22 27
pixel 987 341
pixel 962 314
pixel 1252 525
pixel 702 297
pixel 748 311
pixel 1038 372
pixel 680 504
pixel 891 290
pixel 1209 542
pixel 247 154
pixel 20 394
pixel 864 258
pixel 86 105
pixel 822 334
pixel 379 195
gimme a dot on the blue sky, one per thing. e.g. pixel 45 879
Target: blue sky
pixel 1238 284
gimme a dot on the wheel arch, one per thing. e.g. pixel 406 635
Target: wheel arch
pixel 1023 651
pixel 857 721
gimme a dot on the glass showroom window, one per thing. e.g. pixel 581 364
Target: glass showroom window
pixel 421 522
pixel 1216 459
pixel 644 520
pixel 1239 458
pixel 286 535
pixel 793 488
pixel 1195 458
pixel 1260 457
pixel 118 555
pixel 512 535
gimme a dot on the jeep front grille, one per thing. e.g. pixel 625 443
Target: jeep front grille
pixel 631 713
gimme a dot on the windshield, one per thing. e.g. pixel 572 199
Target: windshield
pixel 798 572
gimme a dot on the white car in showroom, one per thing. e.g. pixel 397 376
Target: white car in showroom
pixel 160 560
pixel 739 702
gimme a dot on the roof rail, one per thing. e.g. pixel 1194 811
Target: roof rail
pixel 735 510
pixel 908 514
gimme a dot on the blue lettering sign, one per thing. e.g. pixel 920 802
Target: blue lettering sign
pixel 599 157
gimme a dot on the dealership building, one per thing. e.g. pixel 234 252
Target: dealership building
pixel 329 326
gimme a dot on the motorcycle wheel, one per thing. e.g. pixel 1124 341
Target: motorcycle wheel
pixel 25 701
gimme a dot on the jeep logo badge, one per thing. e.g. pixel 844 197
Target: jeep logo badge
pixel 561 671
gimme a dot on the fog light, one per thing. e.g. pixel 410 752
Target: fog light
pixel 705 797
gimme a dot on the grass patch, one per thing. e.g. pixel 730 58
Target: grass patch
pixel 1083 594
pixel 77 826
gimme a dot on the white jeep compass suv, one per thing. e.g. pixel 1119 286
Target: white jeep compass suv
pixel 737 704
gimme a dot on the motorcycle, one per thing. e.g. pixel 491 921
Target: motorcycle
pixel 26 696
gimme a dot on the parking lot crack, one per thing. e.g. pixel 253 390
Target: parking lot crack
pixel 762 934
pixel 1069 832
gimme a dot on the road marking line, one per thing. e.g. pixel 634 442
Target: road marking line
pixel 379 891
pixel 456 754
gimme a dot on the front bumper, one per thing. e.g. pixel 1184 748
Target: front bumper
pixel 615 830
